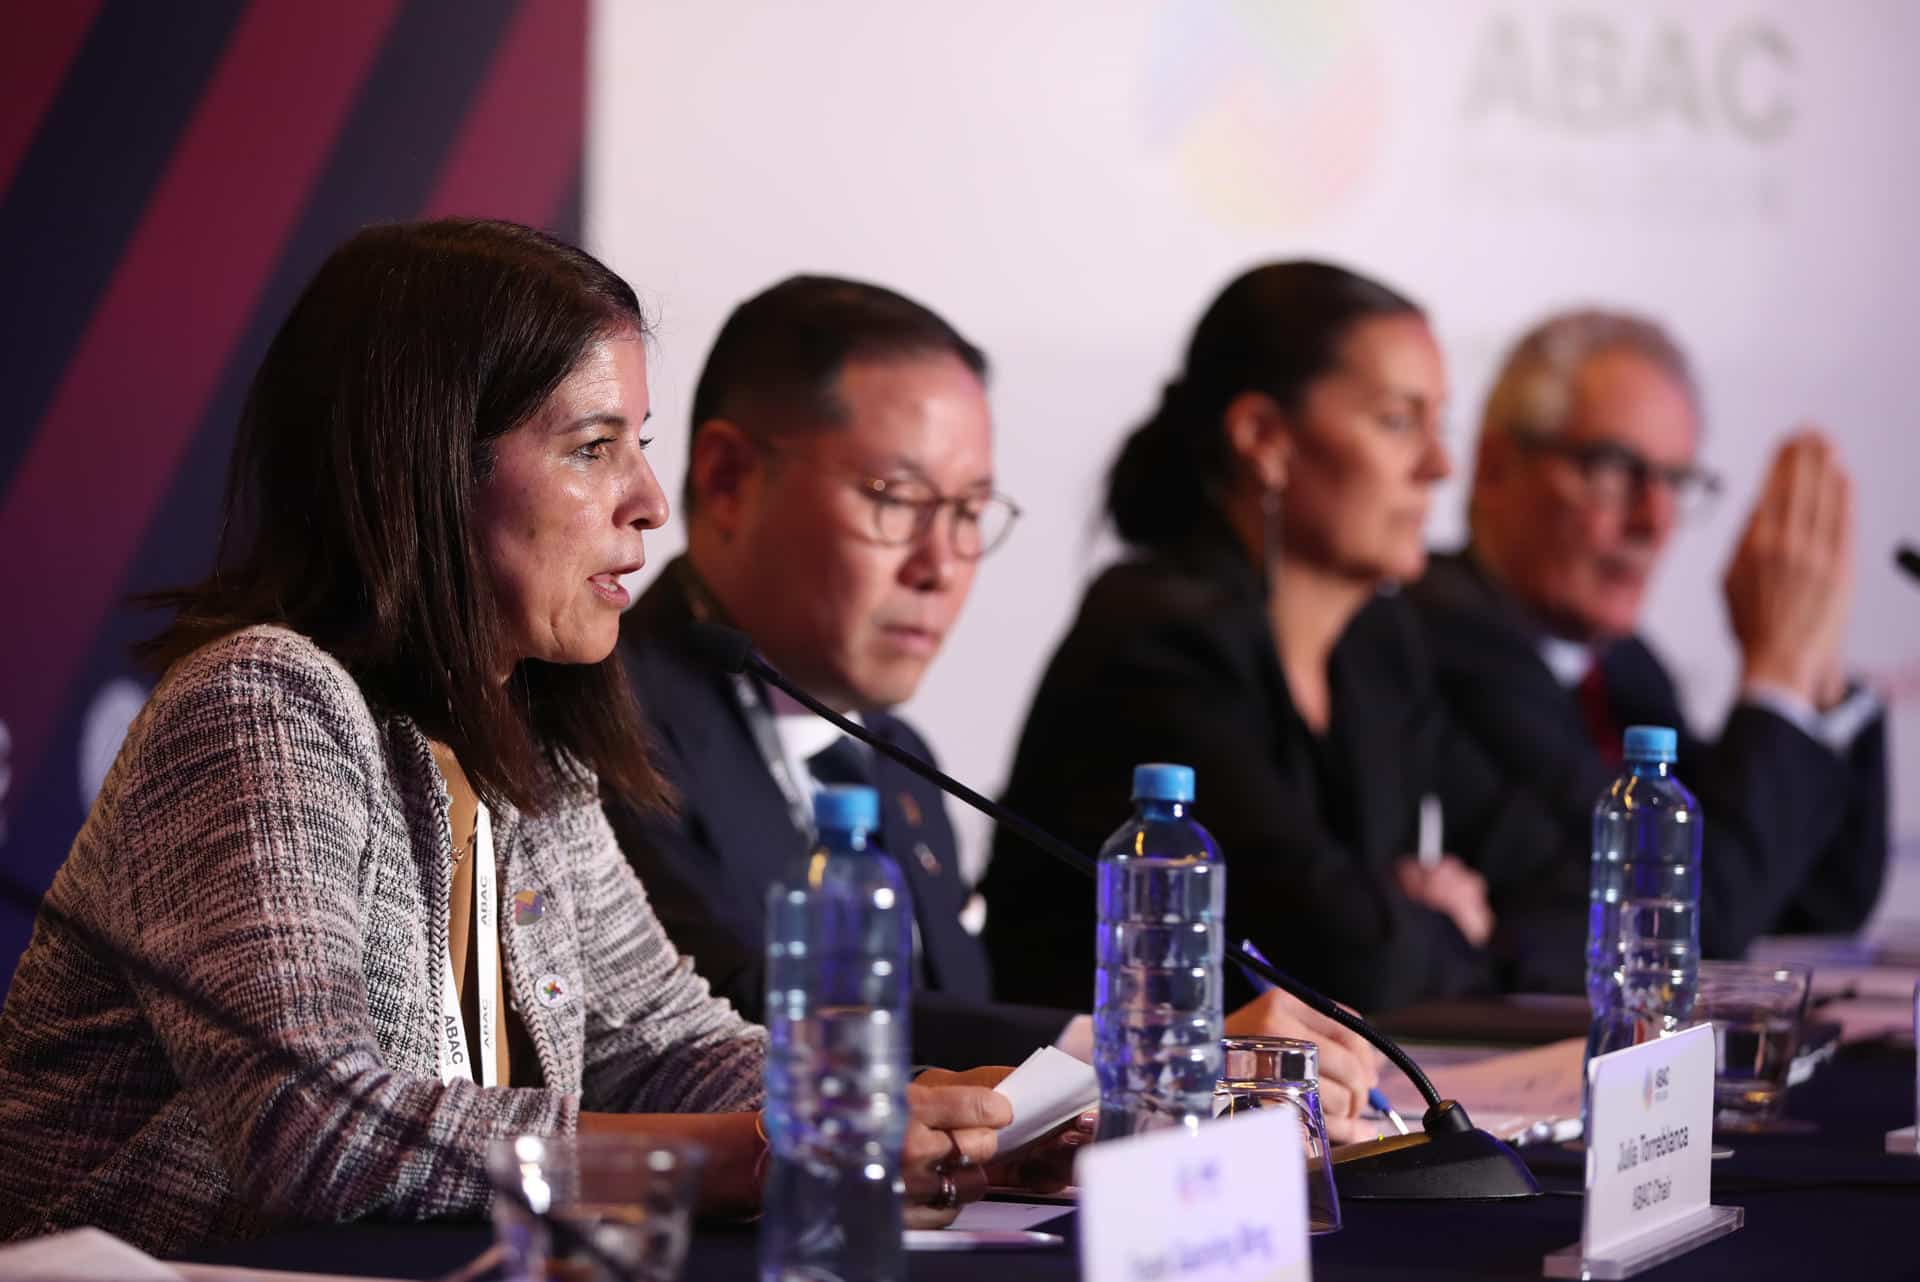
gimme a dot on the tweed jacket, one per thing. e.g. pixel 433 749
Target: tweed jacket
pixel 267 842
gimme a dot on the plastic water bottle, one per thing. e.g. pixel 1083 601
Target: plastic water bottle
pixel 839 950
pixel 1643 902
pixel 1156 1000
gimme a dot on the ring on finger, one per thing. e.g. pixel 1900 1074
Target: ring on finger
pixel 949 1195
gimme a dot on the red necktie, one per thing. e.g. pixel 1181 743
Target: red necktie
pixel 1595 710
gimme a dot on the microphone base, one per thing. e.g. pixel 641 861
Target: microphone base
pixel 1466 1166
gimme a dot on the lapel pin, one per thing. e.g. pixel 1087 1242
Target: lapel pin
pixel 553 991
pixel 528 905
pixel 911 809
pixel 928 860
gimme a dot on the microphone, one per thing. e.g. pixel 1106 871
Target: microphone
pixel 1907 557
pixel 1452 1159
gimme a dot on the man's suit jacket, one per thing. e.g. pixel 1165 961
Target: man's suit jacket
pixel 1795 836
pixel 707 869
pixel 1172 659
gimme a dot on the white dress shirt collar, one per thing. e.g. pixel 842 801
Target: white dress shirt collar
pixel 1569 661
pixel 802 734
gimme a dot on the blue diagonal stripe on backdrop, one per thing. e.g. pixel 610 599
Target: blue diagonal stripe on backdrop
pixel 387 154
pixel 83 185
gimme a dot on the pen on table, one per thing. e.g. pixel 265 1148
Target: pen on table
pixel 1429 841
pixel 1376 1098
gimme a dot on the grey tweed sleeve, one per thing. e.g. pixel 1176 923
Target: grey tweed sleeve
pixel 657 1039
pixel 248 827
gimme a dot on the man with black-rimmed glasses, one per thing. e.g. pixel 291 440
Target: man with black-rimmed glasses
pixel 1587 462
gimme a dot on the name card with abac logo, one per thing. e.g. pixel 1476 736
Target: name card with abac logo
pixel 1226 1203
pixel 1649 1160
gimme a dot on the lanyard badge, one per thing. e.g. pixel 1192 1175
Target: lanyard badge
pixel 456 1060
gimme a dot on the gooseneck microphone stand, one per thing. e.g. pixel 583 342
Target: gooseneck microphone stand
pixel 1452 1159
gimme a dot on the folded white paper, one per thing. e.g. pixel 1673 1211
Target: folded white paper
pixel 1050 1088
pixel 91 1255
pixel 953 1239
pixel 1007 1217
pixel 237 1273
pixel 1529 1095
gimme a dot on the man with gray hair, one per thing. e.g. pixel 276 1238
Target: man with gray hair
pixel 1587 462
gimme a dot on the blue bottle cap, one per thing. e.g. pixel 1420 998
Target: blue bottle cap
pixel 846 807
pixel 1651 743
pixel 1158 781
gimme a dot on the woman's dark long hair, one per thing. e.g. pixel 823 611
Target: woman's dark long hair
pixel 350 497
pixel 1275 330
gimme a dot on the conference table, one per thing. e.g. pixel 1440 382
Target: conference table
pixel 1822 1201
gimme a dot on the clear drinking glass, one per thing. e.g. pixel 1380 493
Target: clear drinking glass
pixel 1279 1072
pixel 1756 1013
pixel 593 1208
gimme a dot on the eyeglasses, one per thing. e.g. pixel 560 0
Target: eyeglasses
pixel 1615 474
pixel 904 513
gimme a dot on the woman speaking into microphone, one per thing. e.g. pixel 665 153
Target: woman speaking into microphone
pixel 346 908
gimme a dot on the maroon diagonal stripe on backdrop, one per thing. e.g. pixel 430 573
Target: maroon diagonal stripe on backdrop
pixel 33 61
pixel 519 148
pixel 126 408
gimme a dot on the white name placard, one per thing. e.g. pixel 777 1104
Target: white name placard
pixel 1225 1203
pixel 1650 1147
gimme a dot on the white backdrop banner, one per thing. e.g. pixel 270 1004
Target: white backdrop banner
pixel 1070 183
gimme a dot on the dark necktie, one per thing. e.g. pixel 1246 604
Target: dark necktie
pixel 1597 711
pixel 846 762
pixel 841 762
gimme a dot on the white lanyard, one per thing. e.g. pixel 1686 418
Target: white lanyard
pixel 456 1064
pixel 760 724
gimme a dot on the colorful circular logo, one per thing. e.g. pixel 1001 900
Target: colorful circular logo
pixel 1271 114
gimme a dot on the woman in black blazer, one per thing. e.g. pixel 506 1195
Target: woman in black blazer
pixel 1272 502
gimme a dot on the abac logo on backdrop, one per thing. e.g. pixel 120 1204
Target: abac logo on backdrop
pixel 1586 73
pixel 1271 114
pixel 1682 112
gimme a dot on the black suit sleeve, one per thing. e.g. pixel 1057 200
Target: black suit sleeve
pixel 1536 877
pixel 1169 680
pixel 961 1033
pixel 1536 883
pixel 697 904
pixel 1844 886
pixel 1796 835
pixel 1782 810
